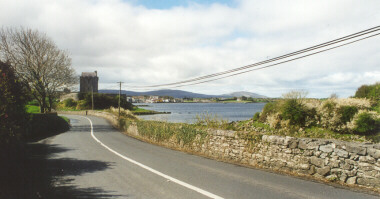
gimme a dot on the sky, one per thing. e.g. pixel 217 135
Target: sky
pixel 145 42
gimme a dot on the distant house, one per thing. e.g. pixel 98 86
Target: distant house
pixel 89 82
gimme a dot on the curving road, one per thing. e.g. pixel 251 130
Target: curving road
pixel 99 162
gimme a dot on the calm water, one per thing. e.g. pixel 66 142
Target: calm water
pixel 186 112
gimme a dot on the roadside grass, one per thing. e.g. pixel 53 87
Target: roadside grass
pixel 140 111
pixel 312 132
pixel 32 109
pixel 66 119
pixel 183 134
pixel 45 125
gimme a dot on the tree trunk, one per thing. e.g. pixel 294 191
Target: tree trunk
pixel 43 106
pixel 50 103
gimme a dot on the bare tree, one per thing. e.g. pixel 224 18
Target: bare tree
pixel 299 95
pixel 38 62
pixel 334 96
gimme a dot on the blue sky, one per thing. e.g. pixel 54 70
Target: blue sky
pixel 167 4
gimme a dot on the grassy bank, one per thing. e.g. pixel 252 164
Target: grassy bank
pixel 45 125
pixel 141 111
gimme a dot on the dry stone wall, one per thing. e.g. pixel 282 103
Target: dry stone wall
pixel 332 160
pixel 348 162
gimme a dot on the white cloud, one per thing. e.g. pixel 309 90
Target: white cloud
pixel 130 43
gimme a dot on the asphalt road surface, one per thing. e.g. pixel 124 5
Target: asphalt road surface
pixel 93 156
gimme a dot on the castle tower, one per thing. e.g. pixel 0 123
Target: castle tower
pixel 89 82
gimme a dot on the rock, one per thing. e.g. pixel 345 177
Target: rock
pixel 326 148
pixel 375 153
pixel 343 178
pixel 366 166
pixel 337 171
pixel 332 177
pixel 317 161
pixel 351 180
pixel 304 166
pixel 335 163
pixel 351 173
pixel 341 153
pixel 356 149
pixel 347 166
pixel 302 144
pixel 367 159
pixel 312 170
pixel 368 181
pixel 351 162
pixel 323 171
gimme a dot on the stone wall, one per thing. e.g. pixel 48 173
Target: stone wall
pixel 331 160
pixel 347 162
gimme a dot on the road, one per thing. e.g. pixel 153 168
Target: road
pixel 100 162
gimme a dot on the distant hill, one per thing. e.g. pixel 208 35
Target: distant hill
pixel 246 94
pixel 183 94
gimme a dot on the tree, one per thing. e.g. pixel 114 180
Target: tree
pixel 299 95
pixel 38 62
pixel 13 98
pixel 369 91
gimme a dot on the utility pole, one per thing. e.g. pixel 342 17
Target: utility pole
pixel 92 96
pixel 119 96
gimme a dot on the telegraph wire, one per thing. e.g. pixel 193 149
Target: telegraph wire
pixel 280 62
pixel 322 45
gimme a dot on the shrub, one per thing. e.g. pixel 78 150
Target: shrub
pixel 269 108
pixel 347 113
pixel 13 98
pixel 295 112
pixel 256 116
pixel 104 101
pixel 366 123
pixel 82 104
pixel 70 102
pixel 210 121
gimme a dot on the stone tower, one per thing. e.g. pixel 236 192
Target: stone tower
pixel 89 82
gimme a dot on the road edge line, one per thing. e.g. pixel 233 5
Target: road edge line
pixel 184 184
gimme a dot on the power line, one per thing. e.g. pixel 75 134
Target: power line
pixel 322 45
pixel 281 62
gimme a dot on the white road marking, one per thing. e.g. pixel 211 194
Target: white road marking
pixel 189 186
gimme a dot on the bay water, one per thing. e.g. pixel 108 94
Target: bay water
pixel 187 112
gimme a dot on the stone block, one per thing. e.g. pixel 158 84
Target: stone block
pixel 326 148
pixel 351 162
pixel 335 163
pixel 336 171
pixel 341 153
pixel 302 144
pixel 323 171
pixel 293 144
pixel 343 178
pixel 351 180
pixel 366 166
pixel 375 153
pixel 356 149
pixel 304 166
pixel 368 181
pixel 332 177
pixel 351 173
pixel 317 161
pixel 367 159
pixel 346 166
pixel 312 170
